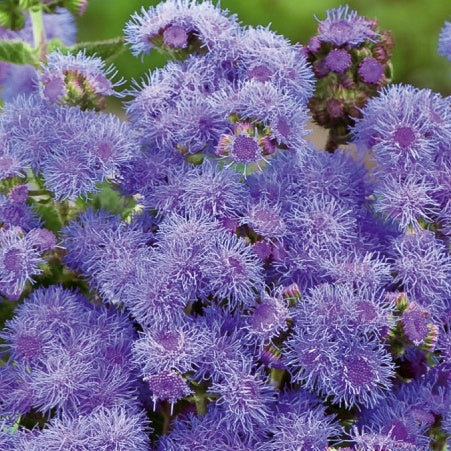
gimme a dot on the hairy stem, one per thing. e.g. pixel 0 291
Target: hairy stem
pixel 37 23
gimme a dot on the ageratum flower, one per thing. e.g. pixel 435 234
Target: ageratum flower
pixel 116 428
pixel 321 223
pixel 90 148
pixel 76 80
pixel 401 124
pixel 218 192
pixel 17 214
pixel 444 41
pixel 265 56
pixel 28 128
pixel 407 201
pixel 167 386
pixel 312 430
pixel 343 26
pixel 179 25
pixel 244 399
pixel 170 346
pixel 233 271
pixel 423 268
pixel 19 261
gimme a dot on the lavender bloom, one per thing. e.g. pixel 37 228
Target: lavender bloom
pixel 17 214
pixel 444 41
pixel 82 235
pixel 207 432
pixel 102 144
pixel 244 399
pixel 169 347
pixel 369 439
pixel 311 430
pixel 233 271
pixel 153 297
pixel 338 60
pixel 76 79
pixel 178 25
pixel 406 201
pixel 343 26
pixel 371 70
pixel 265 56
pixel 423 268
pixel 103 429
pixel 28 128
pixel 352 372
pixel 366 270
pixel 22 79
pixel 394 418
pixel 216 191
pixel 321 223
pixel 265 219
pixel 339 310
pixel 167 386
pixel 362 375
pixel 19 261
pixel 402 126
pixel 267 319
pixel 415 321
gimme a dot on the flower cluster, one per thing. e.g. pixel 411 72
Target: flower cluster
pixel 200 276
pixel 351 59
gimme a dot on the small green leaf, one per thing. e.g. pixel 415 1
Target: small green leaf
pixel 49 216
pixel 11 15
pixel 107 50
pixel 17 52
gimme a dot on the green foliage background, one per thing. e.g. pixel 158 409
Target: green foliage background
pixel 415 25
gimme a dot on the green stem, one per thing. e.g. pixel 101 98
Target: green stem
pixel 37 23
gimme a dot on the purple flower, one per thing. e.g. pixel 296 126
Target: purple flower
pixel 17 214
pixel 91 147
pixel 19 261
pixel 407 201
pixel 371 70
pixel 268 57
pixel 29 127
pixel 400 124
pixel 444 41
pixel 169 347
pixel 321 223
pixel 233 271
pixel 415 323
pixel 423 268
pixel 312 430
pixel 368 270
pixel 267 319
pixel 167 386
pixel 338 60
pixel 115 428
pixel 244 398
pixel 344 26
pixel 216 191
pixel 176 25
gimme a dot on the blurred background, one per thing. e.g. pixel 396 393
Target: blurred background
pixel 415 25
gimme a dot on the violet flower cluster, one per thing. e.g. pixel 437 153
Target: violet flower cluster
pixel 199 276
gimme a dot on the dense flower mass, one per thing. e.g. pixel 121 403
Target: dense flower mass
pixel 199 276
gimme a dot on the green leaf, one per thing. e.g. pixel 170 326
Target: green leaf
pixel 18 52
pixel 49 215
pixel 107 50
pixel 11 15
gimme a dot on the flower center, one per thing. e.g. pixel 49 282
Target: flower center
pixel 404 136
pixel 245 150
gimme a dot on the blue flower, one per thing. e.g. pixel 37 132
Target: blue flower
pixel 176 25
pixel 343 26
